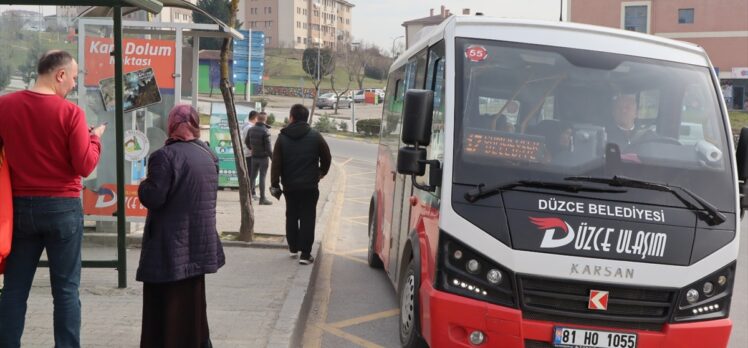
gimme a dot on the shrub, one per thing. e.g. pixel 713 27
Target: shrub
pixel 285 122
pixel 343 126
pixel 271 119
pixel 369 127
pixel 263 103
pixel 324 124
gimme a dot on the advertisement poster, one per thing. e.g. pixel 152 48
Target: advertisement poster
pixel 220 142
pixel 138 54
pixel 103 202
pixel 140 90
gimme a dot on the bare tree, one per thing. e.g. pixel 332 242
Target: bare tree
pixel 246 229
pixel 318 64
pixel 356 65
pixel 344 55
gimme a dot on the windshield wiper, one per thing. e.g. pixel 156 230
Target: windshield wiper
pixel 712 216
pixel 481 191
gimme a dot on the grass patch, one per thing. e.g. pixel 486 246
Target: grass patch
pixel 284 69
pixel 738 120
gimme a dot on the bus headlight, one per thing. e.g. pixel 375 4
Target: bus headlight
pixel 494 276
pixel 706 299
pixel 692 296
pixel 465 272
pixel 473 266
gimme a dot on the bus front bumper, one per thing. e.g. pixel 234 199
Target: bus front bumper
pixel 448 320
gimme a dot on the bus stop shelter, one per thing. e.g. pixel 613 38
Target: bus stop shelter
pixel 116 9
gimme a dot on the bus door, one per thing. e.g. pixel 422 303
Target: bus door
pixel 415 73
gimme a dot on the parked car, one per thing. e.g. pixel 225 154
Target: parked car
pixel 328 100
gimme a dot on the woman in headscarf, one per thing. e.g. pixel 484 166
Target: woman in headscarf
pixel 180 243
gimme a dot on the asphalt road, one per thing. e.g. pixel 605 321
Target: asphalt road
pixel 356 306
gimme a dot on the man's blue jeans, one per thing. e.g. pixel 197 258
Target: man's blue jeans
pixel 57 225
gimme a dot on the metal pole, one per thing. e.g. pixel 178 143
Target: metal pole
pixel 178 67
pixel 561 12
pixel 249 67
pixel 196 70
pixel 119 121
pixel 353 116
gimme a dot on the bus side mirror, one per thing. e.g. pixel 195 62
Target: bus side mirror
pixel 417 112
pixel 411 161
pixel 741 157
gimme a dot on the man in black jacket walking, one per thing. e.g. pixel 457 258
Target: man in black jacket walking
pixel 300 160
pixel 258 142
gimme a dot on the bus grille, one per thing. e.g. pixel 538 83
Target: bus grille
pixel 566 301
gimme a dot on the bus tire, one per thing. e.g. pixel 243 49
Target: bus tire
pixel 371 256
pixel 410 327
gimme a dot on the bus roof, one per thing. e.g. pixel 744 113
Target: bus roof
pixel 561 34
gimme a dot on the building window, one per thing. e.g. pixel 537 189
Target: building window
pixel 305 41
pixel 298 10
pixel 347 21
pixel 685 16
pixel 268 40
pixel 298 39
pixel 635 18
pixel 253 10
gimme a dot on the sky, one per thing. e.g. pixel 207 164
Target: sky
pixel 380 21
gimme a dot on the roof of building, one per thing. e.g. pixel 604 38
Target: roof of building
pixel 212 54
pixel 430 20
pixel 346 3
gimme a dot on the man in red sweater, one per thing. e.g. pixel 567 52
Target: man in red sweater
pixel 49 147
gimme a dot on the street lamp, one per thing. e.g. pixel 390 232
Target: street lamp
pixel 393 44
pixel 319 42
pixel 357 45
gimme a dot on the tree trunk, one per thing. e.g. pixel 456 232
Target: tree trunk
pixel 314 104
pixel 246 229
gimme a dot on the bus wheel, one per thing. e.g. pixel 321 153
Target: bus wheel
pixel 410 335
pixel 372 257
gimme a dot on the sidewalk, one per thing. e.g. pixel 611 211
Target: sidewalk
pixel 255 300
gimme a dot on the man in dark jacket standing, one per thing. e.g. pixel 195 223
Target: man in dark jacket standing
pixel 258 142
pixel 300 160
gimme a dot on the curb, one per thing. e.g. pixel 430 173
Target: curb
pixel 289 327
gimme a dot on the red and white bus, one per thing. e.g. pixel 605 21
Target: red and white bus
pixel 547 184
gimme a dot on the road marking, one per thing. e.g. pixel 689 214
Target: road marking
pixel 365 318
pixel 323 289
pixel 357 220
pixel 352 258
pixel 354 251
pixel 355 339
pixel 346 162
pixel 362 173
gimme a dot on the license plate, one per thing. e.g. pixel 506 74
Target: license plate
pixel 564 337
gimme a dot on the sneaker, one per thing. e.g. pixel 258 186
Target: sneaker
pixel 293 255
pixel 264 201
pixel 306 260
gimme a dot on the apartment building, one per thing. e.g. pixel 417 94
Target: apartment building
pixel 298 23
pixel 720 27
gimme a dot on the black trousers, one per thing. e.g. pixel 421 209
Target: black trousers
pixel 301 215
pixel 259 166
pixel 249 168
pixel 174 314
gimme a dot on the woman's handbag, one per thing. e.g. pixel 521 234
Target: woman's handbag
pixel 6 211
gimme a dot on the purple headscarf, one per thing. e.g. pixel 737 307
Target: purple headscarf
pixel 184 124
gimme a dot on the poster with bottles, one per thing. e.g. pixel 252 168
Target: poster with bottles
pixel 220 142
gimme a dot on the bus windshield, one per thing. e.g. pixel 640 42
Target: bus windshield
pixel 546 113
